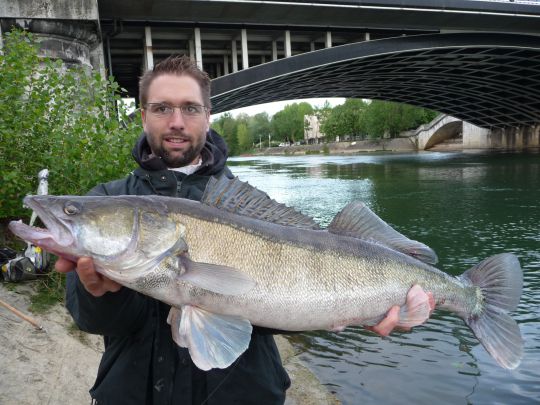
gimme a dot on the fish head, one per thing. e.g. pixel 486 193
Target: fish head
pixel 106 228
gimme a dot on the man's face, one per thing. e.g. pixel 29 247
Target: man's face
pixel 177 138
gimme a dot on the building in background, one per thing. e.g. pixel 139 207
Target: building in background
pixel 312 131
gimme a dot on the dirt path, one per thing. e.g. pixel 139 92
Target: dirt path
pixel 58 365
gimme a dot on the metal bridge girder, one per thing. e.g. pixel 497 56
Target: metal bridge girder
pixel 490 80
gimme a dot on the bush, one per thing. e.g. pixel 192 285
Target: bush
pixel 70 121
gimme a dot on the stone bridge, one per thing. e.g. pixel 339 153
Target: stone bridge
pixel 469 136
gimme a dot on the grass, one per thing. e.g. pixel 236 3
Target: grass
pixel 49 290
pixel 74 331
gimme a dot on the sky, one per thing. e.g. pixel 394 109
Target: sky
pixel 272 108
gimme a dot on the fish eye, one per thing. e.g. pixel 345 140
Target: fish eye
pixel 72 208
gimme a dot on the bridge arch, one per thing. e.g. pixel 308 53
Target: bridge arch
pixel 440 129
pixel 489 80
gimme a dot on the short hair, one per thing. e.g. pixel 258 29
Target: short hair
pixel 179 65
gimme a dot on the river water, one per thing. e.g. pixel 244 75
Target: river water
pixel 466 206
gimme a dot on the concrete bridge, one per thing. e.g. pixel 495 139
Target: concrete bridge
pixel 475 60
pixel 464 135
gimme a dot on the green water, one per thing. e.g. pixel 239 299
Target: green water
pixel 466 206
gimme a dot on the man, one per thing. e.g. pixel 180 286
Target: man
pixel 177 154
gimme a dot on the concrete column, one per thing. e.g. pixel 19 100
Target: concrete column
pixel 191 45
pixel 328 39
pixel 71 41
pixel 148 54
pixel 263 59
pixel 198 48
pixel 65 30
pixel 367 36
pixel 274 50
pixel 245 56
pixel 312 46
pixel 225 64
pixel 234 56
pixel 218 69
pixel 288 51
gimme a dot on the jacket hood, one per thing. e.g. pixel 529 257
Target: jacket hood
pixel 214 154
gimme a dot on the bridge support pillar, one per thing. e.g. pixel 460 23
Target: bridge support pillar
pixel 148 53
pixel 274 50
pixel 328 39
pixel 234 52
pixel 288 48
pixel 245 55
pixel 225 64
pixel 198 47
pixel 64 30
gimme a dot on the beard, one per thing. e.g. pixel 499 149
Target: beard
pixel 176 158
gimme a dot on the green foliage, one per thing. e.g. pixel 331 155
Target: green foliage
pixel 288 124
pixel 244 140
pixel 355 117
pixel 259 127
pixel 49 291
pixel 313 152
pixel 226 127
pixel 384 118
pixel 344 119
pixel 374 120
pixel 70 121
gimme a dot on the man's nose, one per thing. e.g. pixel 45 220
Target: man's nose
pixel 176 120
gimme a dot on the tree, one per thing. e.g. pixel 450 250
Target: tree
pixel 288 124
pixel 384 118
pixel 245 142
pixel 227 126
pixel 345 119
pixel 259 127
pixel 70 121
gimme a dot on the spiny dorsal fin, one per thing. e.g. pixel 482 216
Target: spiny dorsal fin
pixel 358 221
pixel 238 197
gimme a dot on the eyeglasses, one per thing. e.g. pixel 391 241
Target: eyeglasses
pixel 164 110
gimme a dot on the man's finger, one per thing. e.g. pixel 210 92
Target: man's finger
pixel 431 302
pixel 64 266
pixel 386 326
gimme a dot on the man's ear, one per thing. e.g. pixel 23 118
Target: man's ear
pixel 208 122
pixel 143 116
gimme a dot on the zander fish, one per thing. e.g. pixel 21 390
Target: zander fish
pixel 238 259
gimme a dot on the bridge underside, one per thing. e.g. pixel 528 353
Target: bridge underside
pixel 490 80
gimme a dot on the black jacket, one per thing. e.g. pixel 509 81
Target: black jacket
pixel 141 363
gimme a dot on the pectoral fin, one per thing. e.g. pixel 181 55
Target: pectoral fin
pixel 216 278
pixel 416 310
pixel 213 341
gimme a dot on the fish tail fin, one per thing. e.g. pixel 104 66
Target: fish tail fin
pixel 500 281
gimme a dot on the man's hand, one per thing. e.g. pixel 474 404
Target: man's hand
pixel 389 323
pixel 95 283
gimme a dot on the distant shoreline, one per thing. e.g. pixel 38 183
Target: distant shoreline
pixel 337 148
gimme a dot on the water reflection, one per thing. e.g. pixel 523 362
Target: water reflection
pixel 466 206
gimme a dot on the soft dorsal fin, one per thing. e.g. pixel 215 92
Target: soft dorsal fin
pixel 358 221
pixel 238 197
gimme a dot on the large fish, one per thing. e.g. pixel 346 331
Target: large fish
pixel 239 258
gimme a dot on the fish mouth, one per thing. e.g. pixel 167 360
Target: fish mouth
pixel 54 238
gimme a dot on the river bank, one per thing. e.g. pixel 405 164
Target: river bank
pixel 58 365
pixel 342 148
